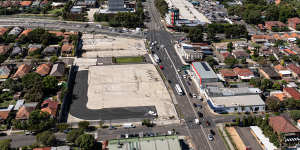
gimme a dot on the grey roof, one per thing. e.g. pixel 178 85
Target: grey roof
pixel 34 46
pixel 16 51
pixel 15 31
pixel 36 3
pixel 223 92
pixel 58 70
pixel 4 70
pixel 50 50
pixel 271 72
pixel 61 148
pixel 32 104
pixel 242 100
pixel 19 104
pixel 204 70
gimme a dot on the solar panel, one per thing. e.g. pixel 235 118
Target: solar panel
pixel 205 66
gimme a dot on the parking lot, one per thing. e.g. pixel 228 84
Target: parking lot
pixel 107 46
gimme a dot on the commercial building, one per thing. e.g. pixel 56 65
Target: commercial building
pixel 234 100
pixel 202 73
pixel 116 5
pixel 194 51
pixel 172 16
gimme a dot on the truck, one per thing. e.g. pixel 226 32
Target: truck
pixel 197 121
pixel 128 125
pixel 156 58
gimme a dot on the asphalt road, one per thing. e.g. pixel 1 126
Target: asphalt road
pixel 170 59
pixel 248 138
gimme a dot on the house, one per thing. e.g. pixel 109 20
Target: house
pixel 57 4
pixel 33 48
pixel 202 73
pixel 292 93
pixel 281 125
pixel 4 115
pixel 260 38
pixel 87 3
pixel 50 50
pixel 24 112
pixel 3 31
pixel 17 50
pixel 54 148
pixel 15 31
pixel 233 100
pixel 22 70
pixel 283 71
pixel 67 48
pixel 225 54
pixel 294 69
pixel 25 4
pixel 228 74
pixel 35 4
pixel 76 10
pixel 269 73
pixel 240 54
pixel 293 22
pixel 243 73
pixel 25 32
pixel 289 52
pixel 274 24
pixel 50 106
pixel 19 104
pixel 4 49
pixel 4 72
pixel 58 70
pixel 221 46
pixel 43 69
pixel 44 3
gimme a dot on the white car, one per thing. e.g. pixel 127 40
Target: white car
pixel 194 95
pixel 210 137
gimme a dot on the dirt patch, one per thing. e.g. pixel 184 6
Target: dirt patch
pixel 236 138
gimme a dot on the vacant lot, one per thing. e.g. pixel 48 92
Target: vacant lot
pixel 236 138
pixel 108 46
pixel 121 60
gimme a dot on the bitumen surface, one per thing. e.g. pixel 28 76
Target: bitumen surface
pixel 79 108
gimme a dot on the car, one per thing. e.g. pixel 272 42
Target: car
pixel 212 132
pixel 194 95
pixel 161 67
pixel 200 114
pixel 178 70
pixel 190 94
pixel 210 137
pixel 169 81
pixel 184 76
pixel 195 105
pixel 207 123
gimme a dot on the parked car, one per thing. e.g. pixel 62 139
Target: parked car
pixel 207 123
pixel 210 137
pixel 212 132
pixel 200 114
pixel 194 95
pixel 161 67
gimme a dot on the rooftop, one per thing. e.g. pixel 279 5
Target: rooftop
pixel 292 92
pixel 241 100
pixel 282 125
pixel 223 92
pixel 204 70
pixel 294 68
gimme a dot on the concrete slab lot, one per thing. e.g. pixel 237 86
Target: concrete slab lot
pixel 108 46
pixel 120 92
pixel 187 10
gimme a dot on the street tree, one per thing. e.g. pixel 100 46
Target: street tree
pixel 39 121
pixel 5 144
pixel 46 138
pixel 74 134
pixel 83 125
pixel 85 142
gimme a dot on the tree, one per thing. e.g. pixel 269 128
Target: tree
pixel 62 126
pixel 230 47
pixel 50 84
pixel 83 124
pixel 211 61
pixel 53 59
pixel 255 82
pixel 74 134
pixel 147 122
pixel 195 35
pixel 34 94
pixel 39 121
pixel 266 84
pixel 5 144
pixel 85 141
pixel 46 138
pixel 295 114
pixel 230 61
pixel 273 104
pixel 276 86
pixel 32 80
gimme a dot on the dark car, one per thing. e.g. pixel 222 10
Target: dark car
pixel 191 95
pixel 212 132
pixel 195 105
pixel 200 114
pixel 207 123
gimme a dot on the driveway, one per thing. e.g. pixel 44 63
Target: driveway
pixel 247 137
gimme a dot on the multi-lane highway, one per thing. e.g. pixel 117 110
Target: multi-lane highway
pixel 171 62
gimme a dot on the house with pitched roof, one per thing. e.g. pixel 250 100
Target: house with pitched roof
pixel 228 74
pixel 293 22
pixel 292 93
pixel 43 69
pixel 274 24
pixel 25 4
pixel 240 54
pixel 4 115
pixel 4 49
pixel 283 71
pixel 281 125
pixel 294 69
pixel 50 50
pixel 24 112
pixel 22 71
pixel 269 73
pixel 3 31
pixel 243 73
pixel 34 48
pixel 4 72
pixel 58 70
pixel 50 106
pixel 25 32
pixel 67 49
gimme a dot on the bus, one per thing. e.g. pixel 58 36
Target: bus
pixel 178 89
pixel 156 58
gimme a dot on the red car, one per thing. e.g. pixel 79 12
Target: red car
pixel 161 67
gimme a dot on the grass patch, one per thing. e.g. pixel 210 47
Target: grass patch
pixel 6 103
pixel 232 40
pixel 121 60
pixel 222 135
pixel 55 11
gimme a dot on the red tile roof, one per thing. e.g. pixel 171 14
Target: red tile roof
pixel 43 148
pixel 292 92
pixel 50 107
pixel 4 115
pixel 22 70
pixel 294 68
pixel 227 73
pixel 3 31
pixel 282 125
pixel 243 71
pixel 279 67
pixel 25 32
pixel 25 3
pixel 67 48
pixel 43 69
pixel 24 112
pixel 4 49
pixel 290 51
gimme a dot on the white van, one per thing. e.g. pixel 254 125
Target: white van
pixel 128 125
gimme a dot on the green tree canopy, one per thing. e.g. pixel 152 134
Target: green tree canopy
pixel 5 144
pixel 83 124
pixel 85 141
pixel 195 35
pixel 74 134
pixel 50 84
pixel 39 121
pixel 46 138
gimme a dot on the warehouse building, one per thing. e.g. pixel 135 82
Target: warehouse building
pixel 234 100
pixel 203 74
